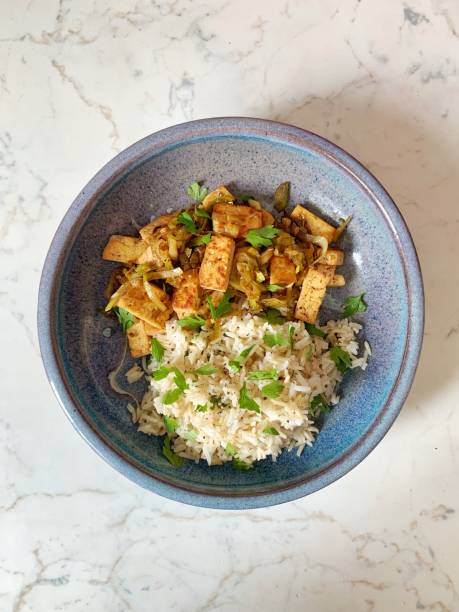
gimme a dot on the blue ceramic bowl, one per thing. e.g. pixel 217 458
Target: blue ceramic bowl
pixel 251 156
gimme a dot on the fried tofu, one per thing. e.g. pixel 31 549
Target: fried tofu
pixel 136 301
pixel 221 194
pixel 124 249
pixel 338 280
pixel 314 224
pixel 282 271
pixel 267 217
pixel 147 231
pixel 186 297
pixel 313 292
pixel 235 221
pixel 333 257
pixel 148 257
pixel 217 262
pixel 139 342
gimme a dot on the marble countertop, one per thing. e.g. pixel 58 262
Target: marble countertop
pixel 80 81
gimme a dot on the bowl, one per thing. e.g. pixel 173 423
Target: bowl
pixel 80 346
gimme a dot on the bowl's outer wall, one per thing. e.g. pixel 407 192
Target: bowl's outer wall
pixel 151 177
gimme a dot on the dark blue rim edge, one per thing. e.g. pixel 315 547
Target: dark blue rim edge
pixel 215 127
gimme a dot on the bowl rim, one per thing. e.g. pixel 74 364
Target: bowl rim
pixel 124 162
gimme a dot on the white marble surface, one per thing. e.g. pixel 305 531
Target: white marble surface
pixel 81 80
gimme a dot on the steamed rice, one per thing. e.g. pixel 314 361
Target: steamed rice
pixel 306 371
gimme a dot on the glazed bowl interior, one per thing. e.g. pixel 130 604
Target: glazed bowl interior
pixel 249 157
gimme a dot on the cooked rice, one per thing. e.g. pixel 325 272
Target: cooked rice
pixel 304 376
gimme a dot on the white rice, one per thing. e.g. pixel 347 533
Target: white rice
pixel 306 371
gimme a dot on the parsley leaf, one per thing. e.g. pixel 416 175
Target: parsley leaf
pixel 203 239
pixel 161 373
pixel 274 288
pixel 171 396
pixel 318 406
pixel 196 192
pixel 230 450
pixel 236 363
pixel 170 424
pixel 202 408
pixel 314 331
pixel 173 459
pixel 291 335
pixel 125 318
pixel 246 402
pixel 263 375
pixel 223 308
pixel 192 322
pixel 241 465
pixel 262 237
pixel 205 370
pixel 273 390
pixel 272 431
pixel 353 304
pixel 190 435
pixel 275 339
pixel 341 358
pixel 186 219
pixel 201 212
pixel 157 350
pixel 179 379
pixel 274 316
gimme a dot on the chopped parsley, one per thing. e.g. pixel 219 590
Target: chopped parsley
pixel 196 192
pixel 262 237
pixel 171 396
pixel 274 316
pixel 230 450
pixel 236 363
pixel 170 424
pixel 263 375
pixel 203 239
pixel 246 402
pixel 272 390
pixel 353 304
pixel 125 318
pixel 201 212
pixel 223 308
pixel 202 408
pixel 341 358
pixel 238 464
pixel 271 431
pixel 190 435
pixel 192 322
pixel 173 458
pixel 205 370
pixel 318 406
pixel 157 350
pixel 274 288
pixel 186 219
pixel 314 331
pixel 179 379
pixel 161 373
pixel 275 340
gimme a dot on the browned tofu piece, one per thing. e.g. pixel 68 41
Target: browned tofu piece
pixel 221 194
pixel 333 257
pixel 147 257
pixel 139 342
pixel 147 231
pixel 267 218
pixel 338 280
pixel 313 292
pixel 125 249
pixel 314 224
pixel 186 297
pixel 136 301
pixel 281 270
pixel 216 265
pixel 235 221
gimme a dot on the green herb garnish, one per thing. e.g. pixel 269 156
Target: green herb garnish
pixel 190 435
pixel 272 431
pixel 170 397
pixel 262 237
pixel 125 318
pixel 157 350
pixel 275 339
pixel 186 219
pixel 236 363
pixel 202 408
pixel 223 308
pixel 161 373
pixel 353 304
pixel 246 402
pixel 205 370
pixel 241 465
pixel 291 335
pixel 170 424
pixel 274 288
pixel 230 450
pixel 201 212
pixel 274 316
pixel 318 406
pixel 203 239
pixel 272 390
pixel 314 331
pixel 179 379
pixel 263 375
pixel 341 358
pixel 192 322
pixel 172 457
pixel 196 192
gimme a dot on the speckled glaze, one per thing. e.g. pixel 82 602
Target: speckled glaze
pixel 251 156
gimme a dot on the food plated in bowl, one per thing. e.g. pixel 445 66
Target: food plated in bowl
pixel 223 298
pixel 80 345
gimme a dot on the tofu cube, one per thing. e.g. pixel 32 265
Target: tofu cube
pixel 221 194
pixel 186 297
pixel 338 280
pixel 164 220
pixel 313 292
pixel 124 249
pixel 217 262
pixel 282 271
pixel 235 221
pixel 313 224
pixel 136 301
pixel 139 342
